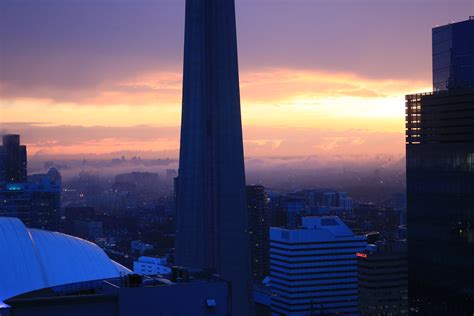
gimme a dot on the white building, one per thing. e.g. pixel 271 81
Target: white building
pixel 34 259
pixel 314 268
pixel 151 266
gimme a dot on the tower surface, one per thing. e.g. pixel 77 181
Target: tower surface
pixel 211 196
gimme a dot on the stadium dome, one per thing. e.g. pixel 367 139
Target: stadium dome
pixel 33 259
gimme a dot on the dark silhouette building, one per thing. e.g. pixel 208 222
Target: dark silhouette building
pixel 383 279
pixel 212 224
pixel 440 184
pixel 35 199
pixel 13 161
pixel 259 227
pixel 131 295
pixel 36 202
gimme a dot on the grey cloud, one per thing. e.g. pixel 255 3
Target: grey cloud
pixel 68 50
pixel 69 135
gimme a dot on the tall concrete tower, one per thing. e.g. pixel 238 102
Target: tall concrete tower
pixel 211 195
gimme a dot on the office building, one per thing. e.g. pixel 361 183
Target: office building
pixel 399 204
pixel 453 56
pixel 440 188
pixel 35 199
pixel 3 165
pixel 259 226
pixel 13 160
pixel 36 202
pixel 212 224
pixel 314 268
pixel 151 266
pixel 383 279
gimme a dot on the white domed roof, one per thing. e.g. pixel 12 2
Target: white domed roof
pixel 32 259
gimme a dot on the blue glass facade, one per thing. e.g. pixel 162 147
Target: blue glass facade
pixel 440 179
pixel 453 56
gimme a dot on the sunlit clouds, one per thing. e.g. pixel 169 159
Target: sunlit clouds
pixel 315 79
pixel 285 112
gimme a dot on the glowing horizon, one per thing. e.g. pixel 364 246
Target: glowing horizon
pixel 104 88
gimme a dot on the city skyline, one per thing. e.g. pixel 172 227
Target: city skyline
pixel 321 84
pixel 283 157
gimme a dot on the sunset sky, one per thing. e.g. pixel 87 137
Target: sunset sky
pixel 318 77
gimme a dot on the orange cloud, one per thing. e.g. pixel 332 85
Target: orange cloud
pixel 302 103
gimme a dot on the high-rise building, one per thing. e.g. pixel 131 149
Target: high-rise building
pixel 399 204
pixel 440 186
pixel 453 56
pixel 3 164
pixel 212 224
pixel 259 226
pixel 383 279
pixel 314 268
pixel 36 202
pixel 13 161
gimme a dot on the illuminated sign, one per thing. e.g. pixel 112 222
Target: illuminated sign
pixel 14 187
pixel 361 255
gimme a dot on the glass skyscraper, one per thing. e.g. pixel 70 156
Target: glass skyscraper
pixel 440 179
pixel 453 56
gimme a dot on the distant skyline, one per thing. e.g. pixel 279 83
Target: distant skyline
pixel 318 77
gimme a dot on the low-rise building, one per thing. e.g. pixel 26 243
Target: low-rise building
pixel 131 295
pixel 151 266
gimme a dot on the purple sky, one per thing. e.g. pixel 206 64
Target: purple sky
pixel 68 52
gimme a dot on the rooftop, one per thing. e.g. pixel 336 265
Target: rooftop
pixel 315 228
pixel 39 259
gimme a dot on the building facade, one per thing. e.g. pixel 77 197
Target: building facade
pixel 129 295
pixel 453 56
pixel 314 268
pixel 151 266
pixel 13 160
pixel 212 224
pixel 440 184
pixel 383 279
pixel 36 203
pixel 259 227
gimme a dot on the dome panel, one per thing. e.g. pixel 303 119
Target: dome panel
pixel 33 259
